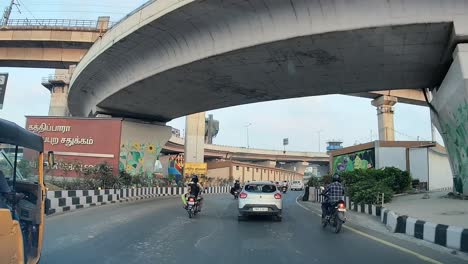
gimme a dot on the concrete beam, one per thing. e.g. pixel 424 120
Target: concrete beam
pixel 407 96
pixel 58 58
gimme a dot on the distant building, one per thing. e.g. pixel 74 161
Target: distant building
pixel 334 145
pixel 426 161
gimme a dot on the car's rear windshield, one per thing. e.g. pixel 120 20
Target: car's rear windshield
pixel 296 182
pixel 260 188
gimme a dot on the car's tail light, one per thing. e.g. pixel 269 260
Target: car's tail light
pixel 341 205
pixel 277 196
pixel 191 199
pixel 243 195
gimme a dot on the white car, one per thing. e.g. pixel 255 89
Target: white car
pixel 260 198
pixel 297 186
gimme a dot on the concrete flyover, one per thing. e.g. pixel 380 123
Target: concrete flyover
pixel 177 57
pixel 48 43
pixel 225 53
pixel 176 145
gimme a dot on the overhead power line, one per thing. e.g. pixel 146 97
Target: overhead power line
pixel 24 6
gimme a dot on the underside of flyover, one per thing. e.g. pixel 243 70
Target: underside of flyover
pixel 181 57
pixel 332 63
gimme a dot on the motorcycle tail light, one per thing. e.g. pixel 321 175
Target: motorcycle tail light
pixel 191 199
pixel 341 205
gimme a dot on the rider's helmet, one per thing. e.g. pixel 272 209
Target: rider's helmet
pixel 194 178
pixel 237 181
pixel 336 178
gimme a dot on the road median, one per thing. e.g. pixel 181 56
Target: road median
pixel 71 200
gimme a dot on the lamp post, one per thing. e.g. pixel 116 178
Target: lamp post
pixel 247 128
pixel 318 132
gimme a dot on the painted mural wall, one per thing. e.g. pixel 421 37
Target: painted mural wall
pixel 451 117
pixel 175 168
pixel 140 147
pixel 364 159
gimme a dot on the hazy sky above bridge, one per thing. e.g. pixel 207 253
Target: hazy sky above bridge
pixel 350 119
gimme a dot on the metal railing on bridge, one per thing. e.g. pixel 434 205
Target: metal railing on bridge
pixel 55 78
pixel 57 23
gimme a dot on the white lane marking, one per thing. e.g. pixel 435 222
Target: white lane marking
pixel 297 202
pixel 218 225
pixel 389 244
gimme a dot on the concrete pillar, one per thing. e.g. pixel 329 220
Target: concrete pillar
pixel 195 137
pixel 449 109
pixel 103 23
pixel 385 111
pixel 58 85
pixel 140 147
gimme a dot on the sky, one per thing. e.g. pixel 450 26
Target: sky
pixel 350 119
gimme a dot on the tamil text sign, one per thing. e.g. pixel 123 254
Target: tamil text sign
pixel 195 168
pixel 78 143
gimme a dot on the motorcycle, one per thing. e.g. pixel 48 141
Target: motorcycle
pixel 284 189
pixel 192 206
pixel 336 215
pixel 236 194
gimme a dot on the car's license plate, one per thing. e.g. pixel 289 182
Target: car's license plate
pixel 260 209
pixel 191 203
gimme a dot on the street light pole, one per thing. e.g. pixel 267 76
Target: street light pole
pixel 247 127
pixel 318 132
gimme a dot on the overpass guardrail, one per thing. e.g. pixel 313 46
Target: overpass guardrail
pixel 57 23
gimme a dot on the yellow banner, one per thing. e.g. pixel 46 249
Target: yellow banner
pixel 195 168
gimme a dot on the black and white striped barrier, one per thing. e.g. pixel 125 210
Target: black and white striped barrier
pixel 448 236
pixel 444 235
pixel 63 201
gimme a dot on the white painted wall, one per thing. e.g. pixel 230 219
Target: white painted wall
pixel 419 167
pixel 391 157
pixel 440 172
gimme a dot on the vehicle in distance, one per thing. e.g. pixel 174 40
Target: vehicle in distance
pixel 297 186
pixel 260 198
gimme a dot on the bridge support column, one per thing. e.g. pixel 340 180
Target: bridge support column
pixel 385 111
pixel 140 147
pixel 195 137
pixel 58 85
pixel 449 109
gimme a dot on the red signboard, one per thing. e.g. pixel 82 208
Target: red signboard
pixel 78 143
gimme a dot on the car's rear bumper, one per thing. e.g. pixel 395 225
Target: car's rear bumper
pixel 248 209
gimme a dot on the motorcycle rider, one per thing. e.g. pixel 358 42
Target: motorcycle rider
pixel 196 189
pixel 334 192
pixel 236 187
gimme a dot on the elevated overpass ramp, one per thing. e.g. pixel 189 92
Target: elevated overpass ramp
pixel 176 145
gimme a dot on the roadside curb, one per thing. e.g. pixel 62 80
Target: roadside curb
pixel 448 236
pixel 66 201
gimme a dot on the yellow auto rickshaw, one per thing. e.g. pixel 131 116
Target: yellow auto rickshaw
pixel 22 194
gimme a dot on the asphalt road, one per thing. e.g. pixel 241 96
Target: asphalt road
pixel 159 231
